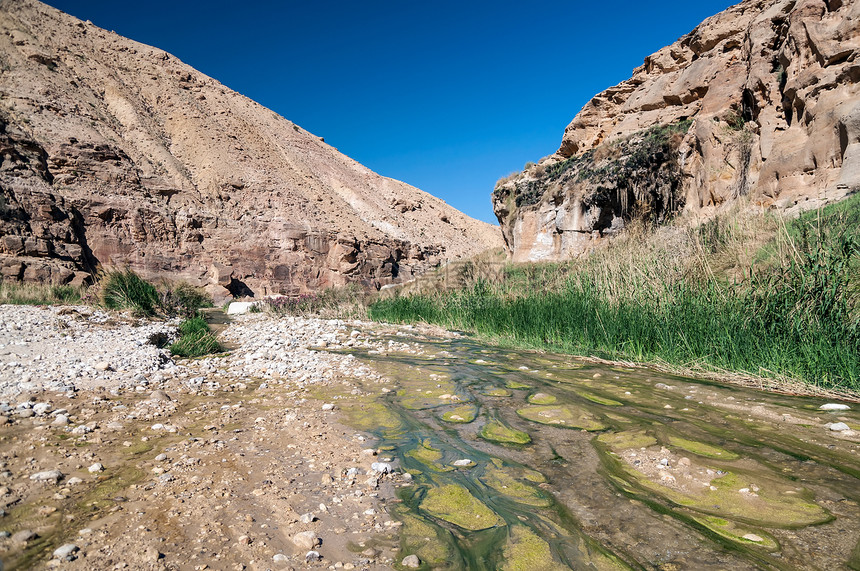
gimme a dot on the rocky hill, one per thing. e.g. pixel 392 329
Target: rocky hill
pixel 761 100
pixel 116 154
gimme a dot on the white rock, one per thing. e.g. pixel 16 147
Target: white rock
pixel 74 480
pixel 95 468
pixel 65 551
pixel 834 406
pixel 47 475
pixel 411 561
pixel 280 558
pixel 240 307
pixel 328 406
pixel 61 420
pixel 753 537
pixel 838 427
pixel 463 462
pixel 381 467
pixel 307 518
pixel 312 556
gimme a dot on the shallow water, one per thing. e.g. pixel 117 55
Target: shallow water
pixel 584 466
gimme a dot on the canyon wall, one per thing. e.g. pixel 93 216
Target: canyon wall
pixel 761 101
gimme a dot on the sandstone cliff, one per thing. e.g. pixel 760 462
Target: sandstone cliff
pixel 760 100
pixel 114 153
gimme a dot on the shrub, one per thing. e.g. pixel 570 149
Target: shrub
pixel 195 339
pixel 182 299
pixel 126 290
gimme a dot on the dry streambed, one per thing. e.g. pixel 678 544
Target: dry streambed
pixel 132 461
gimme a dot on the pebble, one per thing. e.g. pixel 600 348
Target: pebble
pixel 307 518
pixel 66 551
pixel 838 427
pixel 102 366
pixel 23 536
pixel 74 480
pixel 95 468
pixel 411 561
pixel 312 556
pixel 463 462
pixel 834 406
pixel 753 537
pixel 47 475
pixel 381 467
pixel 280 558
pixel 306 540
pixel 61 420
pixel 328 406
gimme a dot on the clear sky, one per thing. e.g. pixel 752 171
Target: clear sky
pixel 447 96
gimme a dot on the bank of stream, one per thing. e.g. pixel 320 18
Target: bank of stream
pixel 525 460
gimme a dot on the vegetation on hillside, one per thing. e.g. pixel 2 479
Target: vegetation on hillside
pixel 753 294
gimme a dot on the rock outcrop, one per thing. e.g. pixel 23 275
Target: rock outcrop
pixel 116 154
pixel 761 100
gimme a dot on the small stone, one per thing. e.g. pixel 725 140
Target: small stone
pixel 370 553
pixel 74 480
pixel 280 558
pixel 66 552
pixel 61 420
pixel 159 396
pixel 838 427
pixel 753 537
pixel 312 556
pixel 47 476
pixel 411 561
pixel 161 457
pixel 326 479
pixel 381 467
pixel 306 540
pixel 307 518
pixel 24 536
pixel 95 468
pixel 41 408
pixel 103 366
pixel 834 406
pixel 463 462
pixel 328 406
pixel 244 540
pixel 684 461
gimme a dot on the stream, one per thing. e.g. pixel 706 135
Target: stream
pixel 534 461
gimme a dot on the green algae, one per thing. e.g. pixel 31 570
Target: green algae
pixel 432 544
pixel 598 399
pixel 517 385
pixel 496 392
pixel 369 415
pixel 463 414
pixel 775 505
pixel 525 551
pixel 455 504
pixel 495 431
pixel 702 449
pixel 428 456
pixel 627 439
pixel 542 398
pixel 504 482
pixel 734 532
pixel 566 416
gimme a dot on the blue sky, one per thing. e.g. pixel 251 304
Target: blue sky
pixel 447 96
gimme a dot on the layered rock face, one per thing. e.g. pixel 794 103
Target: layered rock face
pixel 116 154
pixel 762 100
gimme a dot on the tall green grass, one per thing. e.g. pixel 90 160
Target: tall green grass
pixel 127 290
pixel 195 339
pixel 794 314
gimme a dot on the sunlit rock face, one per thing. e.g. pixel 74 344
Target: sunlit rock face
pixel 114 153
pixel 759 101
